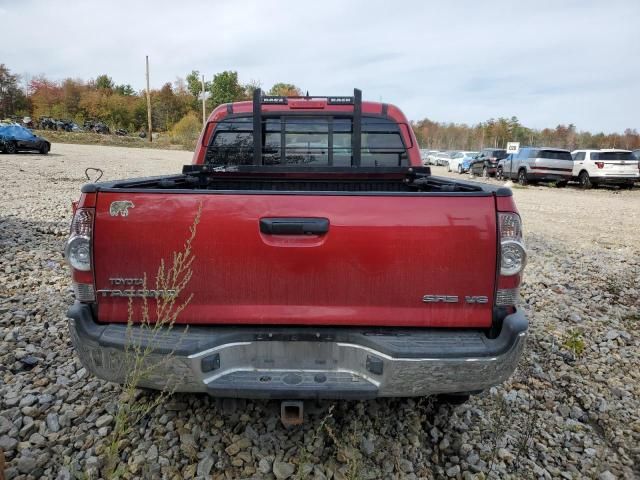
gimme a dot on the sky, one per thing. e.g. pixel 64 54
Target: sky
pixel 546 62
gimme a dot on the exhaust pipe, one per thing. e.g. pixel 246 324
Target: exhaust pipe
pixel 292 413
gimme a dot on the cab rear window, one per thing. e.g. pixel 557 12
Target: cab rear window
pixel 307 141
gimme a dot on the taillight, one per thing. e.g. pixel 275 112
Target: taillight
pixel 78 254
pixel 600 164
pixel 513 258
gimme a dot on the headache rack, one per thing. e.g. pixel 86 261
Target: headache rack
pixel 356 100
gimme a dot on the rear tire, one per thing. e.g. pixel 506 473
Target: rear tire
pixel 585 181
pixel 627 186
pixel 485 172
pixel 11 147
pixel 44 149
pixel 499 174
pixel 460 169
pixel 522 177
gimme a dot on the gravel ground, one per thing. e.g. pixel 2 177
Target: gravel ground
pixel 572 410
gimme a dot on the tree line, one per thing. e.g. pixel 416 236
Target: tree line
pixel 177 105
pixel 496 133
pixel 119 105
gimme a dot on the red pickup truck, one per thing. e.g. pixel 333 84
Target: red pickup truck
pixel 328 262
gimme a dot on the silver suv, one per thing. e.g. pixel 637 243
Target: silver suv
pixel 533 164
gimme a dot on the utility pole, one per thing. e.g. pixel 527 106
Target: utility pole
pixel 150 128
pixel 204 112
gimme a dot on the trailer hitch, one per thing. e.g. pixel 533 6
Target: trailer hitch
pixel 292 413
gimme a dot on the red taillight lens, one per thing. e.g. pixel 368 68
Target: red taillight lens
pixel 600 164
pixel 513 258
pixel 78 254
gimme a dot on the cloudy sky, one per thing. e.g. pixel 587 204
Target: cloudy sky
pixel 547 62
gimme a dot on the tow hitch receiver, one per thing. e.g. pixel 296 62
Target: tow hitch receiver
pixel 292 412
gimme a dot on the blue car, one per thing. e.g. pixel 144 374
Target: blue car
pixel 15 138
pixel 461 162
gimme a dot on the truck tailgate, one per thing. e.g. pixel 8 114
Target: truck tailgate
pixel 380 256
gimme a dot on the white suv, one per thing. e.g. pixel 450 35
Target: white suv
pixel 594 167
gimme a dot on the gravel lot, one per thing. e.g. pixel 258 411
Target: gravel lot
pixel 571 411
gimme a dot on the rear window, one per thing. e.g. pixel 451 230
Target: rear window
pixel 499 154
pixel 612 156
pixel 555 155
pixel 307 141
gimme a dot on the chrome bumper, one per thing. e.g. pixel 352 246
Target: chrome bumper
pixel 302 362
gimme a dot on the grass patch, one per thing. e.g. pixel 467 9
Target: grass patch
pixel 164 141
pixel 574 342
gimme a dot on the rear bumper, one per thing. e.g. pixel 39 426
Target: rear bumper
pixel 615 179
pixel 549 177
pixel 302 362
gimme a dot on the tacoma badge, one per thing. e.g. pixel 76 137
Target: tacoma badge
pixel 120 207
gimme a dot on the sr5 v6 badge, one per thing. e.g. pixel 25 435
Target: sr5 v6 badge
pixel 455 299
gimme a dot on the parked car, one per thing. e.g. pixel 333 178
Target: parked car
pixel 486 162
pixel 608 166
pixel 15 138
pixel 442 158
pixel 460 161
pixel 431 157
pixel 533 164
pixel 360 308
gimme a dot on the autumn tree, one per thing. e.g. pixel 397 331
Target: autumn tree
pixel 285 90
pixel 46 97
pixel 249 88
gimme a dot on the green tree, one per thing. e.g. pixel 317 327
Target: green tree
pixel 126 90
pixel 225 88
pixel 104 82
pixel 194 83
pixel 12 98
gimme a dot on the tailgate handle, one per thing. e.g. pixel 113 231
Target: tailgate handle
pixel 294 226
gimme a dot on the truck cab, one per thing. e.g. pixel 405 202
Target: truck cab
pixel 306 132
